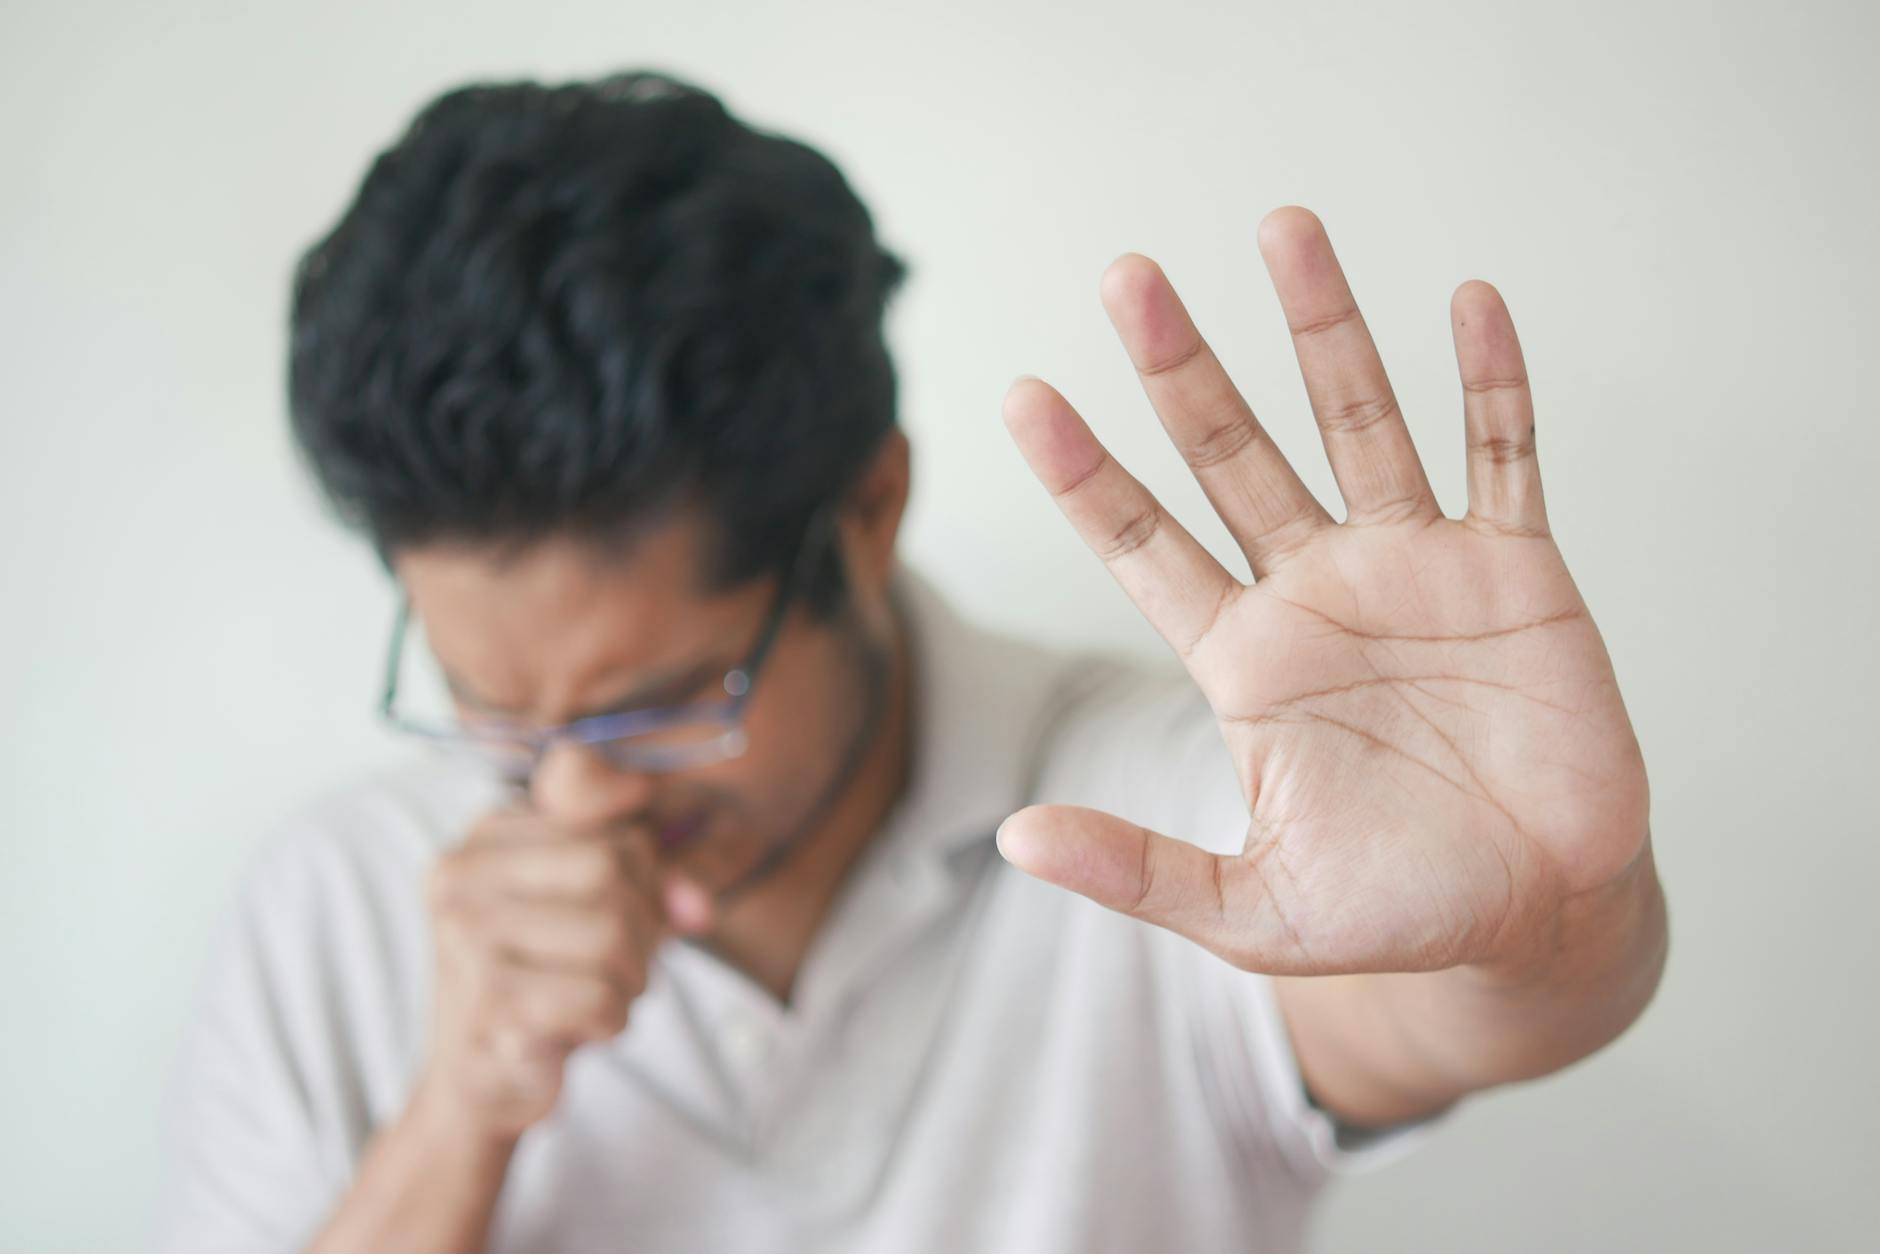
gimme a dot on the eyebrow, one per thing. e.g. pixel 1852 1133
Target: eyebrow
pixel 648 693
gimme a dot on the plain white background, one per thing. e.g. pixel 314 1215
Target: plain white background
pixel 1677 201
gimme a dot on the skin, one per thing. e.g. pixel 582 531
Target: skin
pixel 544 921
pixel 1448 809
pixel 1448 861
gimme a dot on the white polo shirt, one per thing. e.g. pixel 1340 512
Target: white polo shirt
pixel 972 1060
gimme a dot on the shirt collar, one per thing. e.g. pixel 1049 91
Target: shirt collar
pixel 981 700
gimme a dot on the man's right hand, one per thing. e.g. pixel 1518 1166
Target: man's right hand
pixel 543 937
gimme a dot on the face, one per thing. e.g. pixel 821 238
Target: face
pixel 563 632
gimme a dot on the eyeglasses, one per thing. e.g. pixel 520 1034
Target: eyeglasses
pixel 663 739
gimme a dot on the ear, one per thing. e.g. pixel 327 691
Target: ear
pixel 871 516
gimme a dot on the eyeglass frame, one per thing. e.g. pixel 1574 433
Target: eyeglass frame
pixel 606 733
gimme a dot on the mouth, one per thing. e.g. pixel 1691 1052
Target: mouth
pixel 680 833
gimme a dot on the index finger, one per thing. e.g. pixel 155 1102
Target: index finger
pixel 1173 580
pixel 579 865
pixel 582 868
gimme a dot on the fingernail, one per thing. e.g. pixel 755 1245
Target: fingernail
pixel 999 839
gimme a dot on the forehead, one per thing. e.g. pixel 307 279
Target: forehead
pixel 562 622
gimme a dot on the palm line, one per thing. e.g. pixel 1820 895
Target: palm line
pixel 1416 681
pixel 1313 716
pixel 1486 795
pixel 1563 616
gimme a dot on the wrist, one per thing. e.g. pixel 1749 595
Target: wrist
pixel 439 1119
pixel 428 1182
pixel 1588 936
pixel 1382 1047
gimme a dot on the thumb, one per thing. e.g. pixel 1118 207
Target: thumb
pixel 1144 874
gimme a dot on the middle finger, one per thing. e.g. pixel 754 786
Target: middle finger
pixel 1366 441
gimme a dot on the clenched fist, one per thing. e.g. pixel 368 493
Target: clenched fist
pixel 543 938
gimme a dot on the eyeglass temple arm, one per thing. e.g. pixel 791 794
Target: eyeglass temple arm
pixel 388 692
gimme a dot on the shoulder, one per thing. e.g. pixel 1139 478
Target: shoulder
pixel 310 1013
pixel 377 825
pixel 332 900
pixel 324 945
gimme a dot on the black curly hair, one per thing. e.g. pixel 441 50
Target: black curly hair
pixel 569 309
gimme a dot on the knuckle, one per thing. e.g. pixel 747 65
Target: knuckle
pixel 1403 509
pixel 1312 327
pixel 1221 444
pixel 607 1010
pixel 1360 414
pixel 1504 450
pixel 632 857
pixel 1502 529
pixel 613 934
pixel 531 1014
pixel 592 866
pixel 546 1016
pixel 1132 535
pixel 1145 877
pixel 499 995
pixel 1171 364
pixel 1290 537
pixel 1090 475
pixel 597 919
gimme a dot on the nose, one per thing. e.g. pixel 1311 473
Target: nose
pixel 575 786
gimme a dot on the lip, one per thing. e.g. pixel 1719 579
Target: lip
pixel 677 835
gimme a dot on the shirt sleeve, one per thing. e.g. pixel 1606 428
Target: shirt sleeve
pixel 1248 1062
pixel 301 1038
pixel 243 1160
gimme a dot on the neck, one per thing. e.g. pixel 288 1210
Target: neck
pixel 770 927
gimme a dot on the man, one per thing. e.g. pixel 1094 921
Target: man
pixel 738 919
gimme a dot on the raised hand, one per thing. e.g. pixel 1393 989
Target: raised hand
pixel 1432 746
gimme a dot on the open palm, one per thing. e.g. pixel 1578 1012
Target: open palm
pixel 1429 736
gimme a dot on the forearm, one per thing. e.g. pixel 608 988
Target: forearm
pixel 426 1185
pixel 1378 1049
